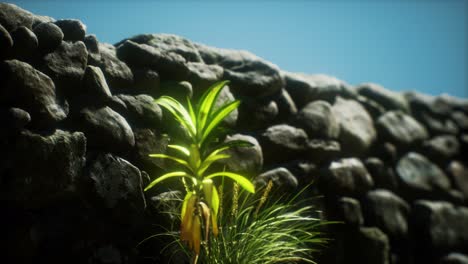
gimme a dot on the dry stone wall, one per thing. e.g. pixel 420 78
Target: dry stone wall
pixel 77 123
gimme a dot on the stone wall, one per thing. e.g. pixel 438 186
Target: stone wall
pixel 77 123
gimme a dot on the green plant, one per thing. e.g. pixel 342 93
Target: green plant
pixel 200 206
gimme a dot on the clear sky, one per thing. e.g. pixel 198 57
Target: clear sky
pixel 403 45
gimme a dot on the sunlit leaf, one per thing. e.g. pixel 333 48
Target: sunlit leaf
pixel 179 112
pixel 241 180
pixel 207 162
pixel 164 156
pixel 206 104
pixel 167 176
pixel 218 116
pixel 181 149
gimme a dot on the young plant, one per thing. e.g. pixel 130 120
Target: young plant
pixel 201 203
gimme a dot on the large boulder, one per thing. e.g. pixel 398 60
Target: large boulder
pixel 421 178
pixel 141 111
pixel 27 88
pixel 305 88
pixel 12 17
pixel 388 99
pixel 400 129
pixel 247 161
pixel 318 120
pixel 73 29
pixel 25 43
pixel 357 132
pixel 43 168
pixel 6 43
pixel 345 177
pixel 94 84
pixel 440 227
pixel 49 36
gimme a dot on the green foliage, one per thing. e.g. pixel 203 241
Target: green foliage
pixel 201 203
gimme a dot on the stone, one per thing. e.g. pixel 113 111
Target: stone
pixel 323 151
pixel 43 167
pixel 257 113
pixel 6 43
pixel 248 74
pixel 461 120
pixel 458 173
pixel 441 149
pixel 345 177
pixel 14 119
pixel 388 212
pixel 31 90
pixel 145 81
pixel 305 88
pixel 66 66
pixel 25 43
pixel 286 106
pixel 439 226
pixel 421 178
pixel 73 29
pixel 169 65
pixel 357 132
pixel 49 36
pixel 106 130
pixel 282 143
pixel 118 75
pixel 12 17
pixel 148 141
pixel 281 177
pixel 38 19
pixel 94 83
pixel 387 99
pixel 318 120
pixel 142 111
pixel 454 258
pixel 372 107
pixel 349 211
pixel 367 245
pixel 92 43
pixel 202 75
pixel 384 176
pixel 401 129
pixel 116 183
pixel 436 125
pixel 305 171
pixel 247 161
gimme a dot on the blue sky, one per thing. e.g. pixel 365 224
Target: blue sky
pixel 403 45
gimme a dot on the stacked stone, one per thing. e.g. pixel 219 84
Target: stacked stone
pixel 79 120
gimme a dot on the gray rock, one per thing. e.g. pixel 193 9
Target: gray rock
pixel 257 113
pixel 281 177
pixel 38 19
pixel 345 177
pixel 92 43
pixel 73 29
pixel 116 183
pixel 94 83
pixel 106 130
pixel 400 129
pixel 6 43
pixel 201 75
pixel 247 161
pixel 420 178
pixel 307 88
pixel 384 176
pixel 357 132
pixel 43 167
pixel 461 119
pixel 66 66
pixel 386 98
pixel 29 89
pixel 440 226
pixel 321 151
pixel 12 16
pixel 282 143
pixel 249 74
pixel 286 106
pixel 24 43
pixel 145 81
pixel 147 141
pixel 118 75
pixel 49 36
pixel 441 149
pixel 14 119
pixel 372 107
pixel 349 211
pixel 388 212
pixel 436 125
pixel 367 245
pixel 178 90
pixel 454 258
pixel 318 120
pixel 141 111
pixel 459 176
pixel 169 65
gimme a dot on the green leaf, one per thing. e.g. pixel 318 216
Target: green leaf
pixel 192 113
pixel 206 104
pixel 181 149
pixel 215 202
pixel 184 204
pixel 208 161
pixel 167 176
pixel 218 116
pixel 164 156
pixel 227 145
pixel 179 112
pixel 243 182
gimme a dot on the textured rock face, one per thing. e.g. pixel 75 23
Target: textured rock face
pixel 78 120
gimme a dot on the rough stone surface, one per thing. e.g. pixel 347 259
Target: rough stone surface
pixel 6 42
pixel 349 211
pixel 321 151
pixel 250 167
pixel 257 113
pixel 357 132
pixel 24 43
pixel 420 178
pixel 287 140
pixel 94 83
pixel 386 98
pixel 318 120
pixel 384 176
pixel 12 17
pixel 441 149
pixel 49 36
pixel 459 176
pixel 73 29
pixel 367 245
pixel 142 110
pixel 400 129
pixel 14 119
pixel 281 177
pixel 29 89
